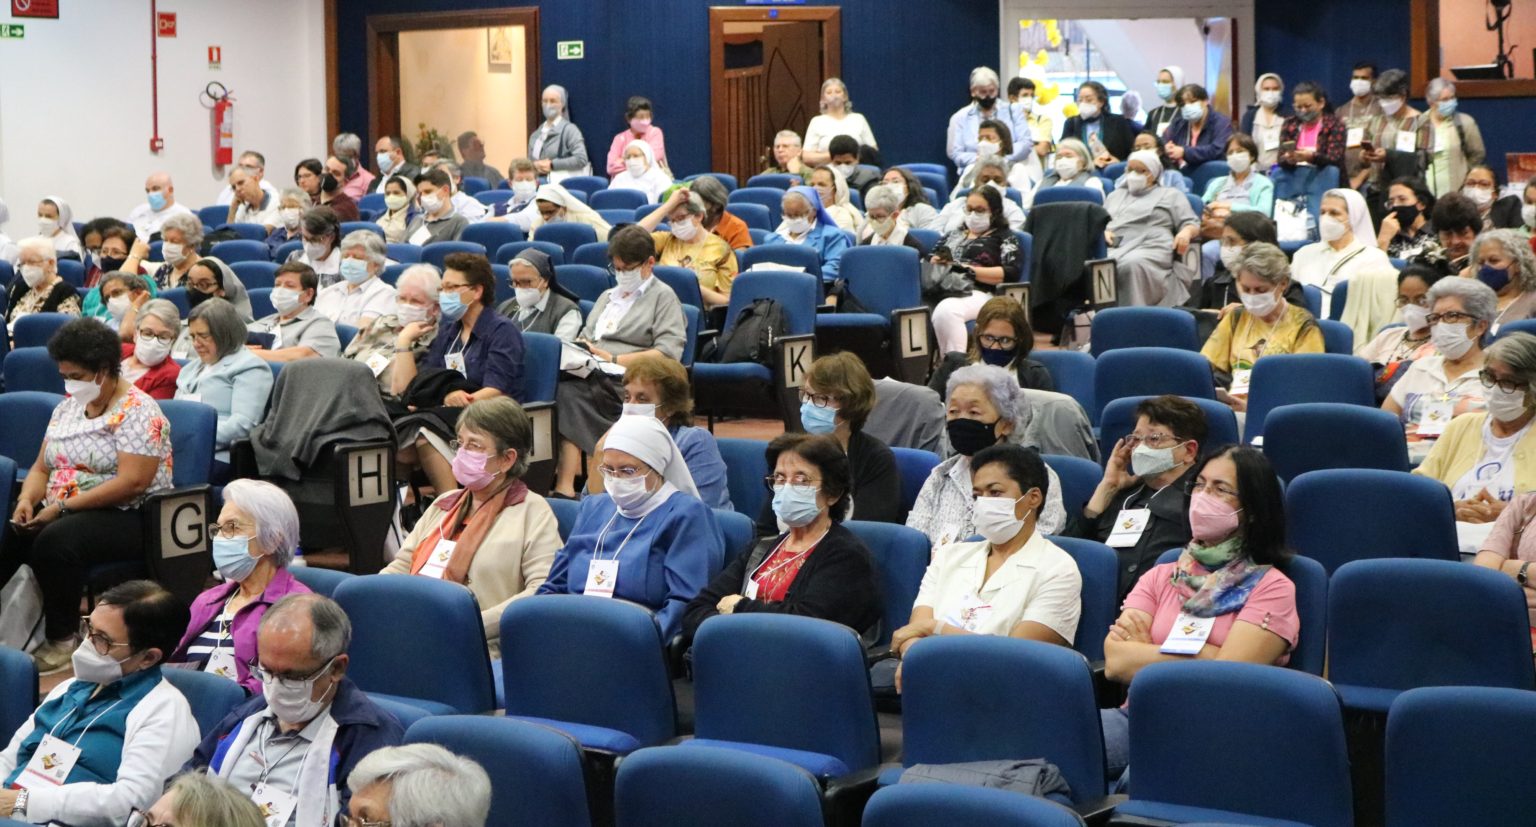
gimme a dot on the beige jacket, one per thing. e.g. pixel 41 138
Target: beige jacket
pixel 513 561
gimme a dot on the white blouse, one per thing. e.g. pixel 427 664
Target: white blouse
pixel 1039 583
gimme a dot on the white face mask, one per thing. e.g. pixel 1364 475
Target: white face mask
pixel 47 226
pixel 92 666
pixel 628 495
pixel 1478 195
pixel 408 313
pixel 1415 317
pixel 84 391
pixel 845 169
pixel 1229 257
pixel 686 230
pixel 296 705
pixel 901 191
pixel 173 252
pixel 1389 106
pixel 316 251
pixel 978 222
pixel 636 166
pixel 985 148
pixel 639 409
pixel 1026 104
pixel 524 190
pixel 118 306
pixel 284 299
pixel 1149 462
pixel 431 203
pixel 994 519
pixel 799 225
pixel 1528 215
pixel 1239 162
pixel 1451 339
pixel 1089 111
pixel 1505 406
pixel 1269 99
pixel 528 297
pixel 628 280
pixel 1066 168
pixel 1260 304
pixel 882 226
pixel 1331 229
pixel 1359 87
pixel 291 217
pixel 1136 182
pixel 150 351
pixel 32 274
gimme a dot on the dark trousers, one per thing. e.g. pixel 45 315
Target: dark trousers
pixel 64 551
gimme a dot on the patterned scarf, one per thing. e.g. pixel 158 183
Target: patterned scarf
pixel 1223 590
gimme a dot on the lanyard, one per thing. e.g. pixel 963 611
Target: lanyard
pixel 598 553
pixel 267 767
pixel 88 726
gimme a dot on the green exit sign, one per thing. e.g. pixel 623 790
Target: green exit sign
pixel 13 30
pixel 570 49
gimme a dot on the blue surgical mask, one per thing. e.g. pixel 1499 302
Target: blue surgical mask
pixel 795 505
pixel 232 557
pixel 817 420
pixel 451 305
pixel 1193 111
pixel 385 160
pixel 1447 108
pixel 157 201
pixel 355 271
pixel 1164 90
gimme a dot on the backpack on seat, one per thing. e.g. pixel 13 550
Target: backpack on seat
pixel 751 339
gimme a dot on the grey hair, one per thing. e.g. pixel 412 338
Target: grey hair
pixel 451 168
pixel 1392 83
pixel 1518 248
pixel 373 247
pixel 847 101
pixel 993 163
pixel 295 194
pixel 1437 86
pixel 191 228
pixel 347 143
pixel 1518 351
pixel 332 628
pixel 565 98
pixel 694 203
pixel 1477 299
pixel 1002 388
pixel 882 196
pixel 200 798
pixel 1265 261
pixel 424 276
pixel 1078 147
pixel 39 246
pixel 277 521
pixel 788 133
pixel 223 322
pixel 163 310
pixel 982 75
pixel 710 189
pixel 505 421
pixel 428 786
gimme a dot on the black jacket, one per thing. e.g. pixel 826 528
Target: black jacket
pixel 1031 374
pixel 837 582
pixel 1118 135
pixel 876 486
pixel 1066 235
pixel 1168 528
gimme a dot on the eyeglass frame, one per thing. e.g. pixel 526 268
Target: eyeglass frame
pixel 1196 487
pixel 261 673
pixel 820 400
pixel 217 530
pixel 89 632
pixel 773 481
pixel 1486 377
pixel 1132 440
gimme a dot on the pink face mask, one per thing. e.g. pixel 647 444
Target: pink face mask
pixel 1210 519
pixel 469 469
pixel 640 125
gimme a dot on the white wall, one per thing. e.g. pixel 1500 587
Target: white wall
pixel 75 100
pixel 1138 49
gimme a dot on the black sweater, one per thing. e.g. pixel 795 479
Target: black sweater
pixel 876 485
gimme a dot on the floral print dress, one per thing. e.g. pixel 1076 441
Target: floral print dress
pixel 81 452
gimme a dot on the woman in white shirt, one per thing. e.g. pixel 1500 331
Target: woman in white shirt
pixel 641 172
pixel 1012 582
pixel 1347 249
pixel 55 222
pixel 1444 385
pixel 916 212
pixel 837 118
pixel 1069 168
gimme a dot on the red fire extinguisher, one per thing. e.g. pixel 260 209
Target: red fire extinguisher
pixel 223 123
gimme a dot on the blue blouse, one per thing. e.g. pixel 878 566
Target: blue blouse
pixel 237 386
pixel 827 240
pixel 672 555
pixel 702 456
pixel 492 359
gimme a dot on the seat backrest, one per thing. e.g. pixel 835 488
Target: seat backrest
pixel 1207 172
pixel 1058 194
pixel 472 184
pixel 1311 581
pixel 701 787
pixel 585 280
pixel 914 465
pixel 1115 170
pixel 541 366
pixel 178 297
pixel 250 232
pixel 1293 378
pixel 26 415
pixel 1517 326
pixel 745 467
pixel 493 234
pixel 620 199
pixel 770 197
pixel 776 180
pixel 692 317
pixel 536 771
pixel 927 239
pixel 255 274
pixel 194 426
pixel 955 693
pixel 284 251
pixel 593 255
pixel 1338 515
pixel 937 182
pixel 1151 371
pixel 404 253
pixel 755 216
pixel 1451 625
pixel 18 686
pixel 618 682
pixel 345 333
pixel 1287 718
pixel 1441 738
pixel 32 369
pixel 568 234
pixel 261 301
pixel 35 329
pixel 1337 336
pixel 615 216
pixel 739 532
pixel 1079 477
pixel 210 696
pixel 350 227
pixel 585 184
pixel 1100 569
pixel 507 252
pixel 792 255
pixel 240 249
pixel 941 805
pixel 213 216
pixel 1320 435
pixel 884 278
pixel 1314 299
pixel 684 282
pixel 320 581
pixel 451 666
pixel 753 672
pixel 1119 419
pixel 901 557
pixel 1336 305
pixel 797 293
pixel 1122 327
pixel 491 198
pixel 565 514
pixel 435 252
pixel 1072 372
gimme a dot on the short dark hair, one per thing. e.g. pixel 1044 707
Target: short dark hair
pixel 824 452
pixel 844 375
pixel 88 343
pixel 1491 173
pixel 1002 308
pixel 1183 417
pixel 101 226
pixel 1251 226
pixel 1017 85
pixel 1366 64
pixel 1191 92
pixel 636 105
pixel 1244 142
pixel 477 271
pixel 1420 189
pixel 311 164
pixel 1023 465
pixel 1423 272
pixel 155 618
pixel 308 278
pixel 1004 134
pixel 631 244
pixel 323 220
pixel 1308 87
pixel 1456 213
pixel 843 145
pixel 1392 83
pixel 916 194
pixel 123 233
pixel 1262 500
pixel 436 176
pixel 1098 89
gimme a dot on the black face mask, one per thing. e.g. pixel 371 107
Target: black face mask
pixel 967 436
pixel 986 102
pixel 196 297
pixel 328 183
pixel 1406 215
pixel 109 265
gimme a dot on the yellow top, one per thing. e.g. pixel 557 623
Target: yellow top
pixel 708 256
pixel 1461 446
pixel 1241 338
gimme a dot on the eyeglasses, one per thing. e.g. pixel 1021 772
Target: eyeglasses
pixel 229 529
pixel 289 682
pixel 1219 489
pixel 344 820
pixel 452 287
pixel 455 445
pixel 99 641
pixel 1151 440
pixel 1422 301
pixel 1453 317
pixel 773 481
pixel 139 818
pixel 998 342
pixel 627 472
pixel 203 286
pixel 1489 380
pixel 819 400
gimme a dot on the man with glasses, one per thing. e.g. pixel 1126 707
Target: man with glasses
pixel 105 741
pixel 1141 507
pixel 254 164
pixel 293 747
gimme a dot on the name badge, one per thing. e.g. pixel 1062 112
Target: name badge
pixel 50 765
pixel 222 663
pixel 1187 637
pixel 1435 416
pixel 1407 141
pixel 1353 137
pixel 750 592
pixel 973 612
pixel 1129 526
pixel 190 397
pixel 275 805
pixel 1271 142
pixel 437 563
pixel 602 578
pixel 1241 379
pixel 277 336
pixel 421 236
pixel 455 361
pixel 947 536
pixel 377 363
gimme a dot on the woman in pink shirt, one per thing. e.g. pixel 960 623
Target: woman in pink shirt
pixel 1224 599
pixel 638 115
pixel 1511 548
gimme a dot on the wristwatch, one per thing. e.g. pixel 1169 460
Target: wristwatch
pixel 63 508
pixel 19 810
pixel 1520 576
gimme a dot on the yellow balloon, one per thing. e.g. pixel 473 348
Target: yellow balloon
pixel 1070 110
pixel 1024 24
pixel 1041 57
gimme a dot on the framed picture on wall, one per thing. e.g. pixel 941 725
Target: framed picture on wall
pixel 498 47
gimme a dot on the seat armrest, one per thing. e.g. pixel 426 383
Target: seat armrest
pixel 1109 694
pixel 242 460
pixel 1098 811
pixel 843 798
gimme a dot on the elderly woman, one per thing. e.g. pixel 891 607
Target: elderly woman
pixel 39 289
pixel 1396 348
pixel 297 329
pixel 415 301
pixel 968 265
pixel 657 386
pixel 1171 177
pixel 1445 384
pixel 984 406
pixel 814 567
pixel 648 539
pixel 717 219
pixel 991 173
pixel 837 118
pixel 1265 325
pixel 832 188
pixel 107 446
pixel 806 222
pixel 361 296
pixel 1347 249
pixel 235 381
pixel 1072 167
pixel 916 212
pixel 1224 599
pixel 640 317
pixel 1013 581
pixel 491 533
pixel 1245 188
pixel 211 278
pixel 118 294
pixel 195 799
pixel 1003 338
pixel 291 204
pixel 56 222
pixel 638 114
pixel 1150 228
pixel 556 146
pixel 539 304
pixel 321 232
pixel 886 224
pixel 400 209
pixel 1502 259
pixel 404 786
pixel 1482 454
pixel 1452 138
pixel 641 173
pixel 1405 229
pixel 1266 117
pixel 146 359
pixel 688 245
pixel 181 238
pixel 254 541
pixel 555 204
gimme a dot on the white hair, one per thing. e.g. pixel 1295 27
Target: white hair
pixel 882 196
pixel 372 246
pixel 787 133
pixel 982 75
pixel 1437 86
pixel 162 309
pixel 348 144
pixel 189 226
pixel 428 786
pixel 39 246
pixel 295 194
pixel 277 521
pixel 565 99
pixel 424 276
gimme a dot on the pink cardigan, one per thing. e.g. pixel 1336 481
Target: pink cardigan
pixel 207 607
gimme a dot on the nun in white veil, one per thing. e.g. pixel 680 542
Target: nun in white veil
pixel 1146 223
pixel 571 208
pixel 1347 250
pixel 60 227
pixel 641 172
